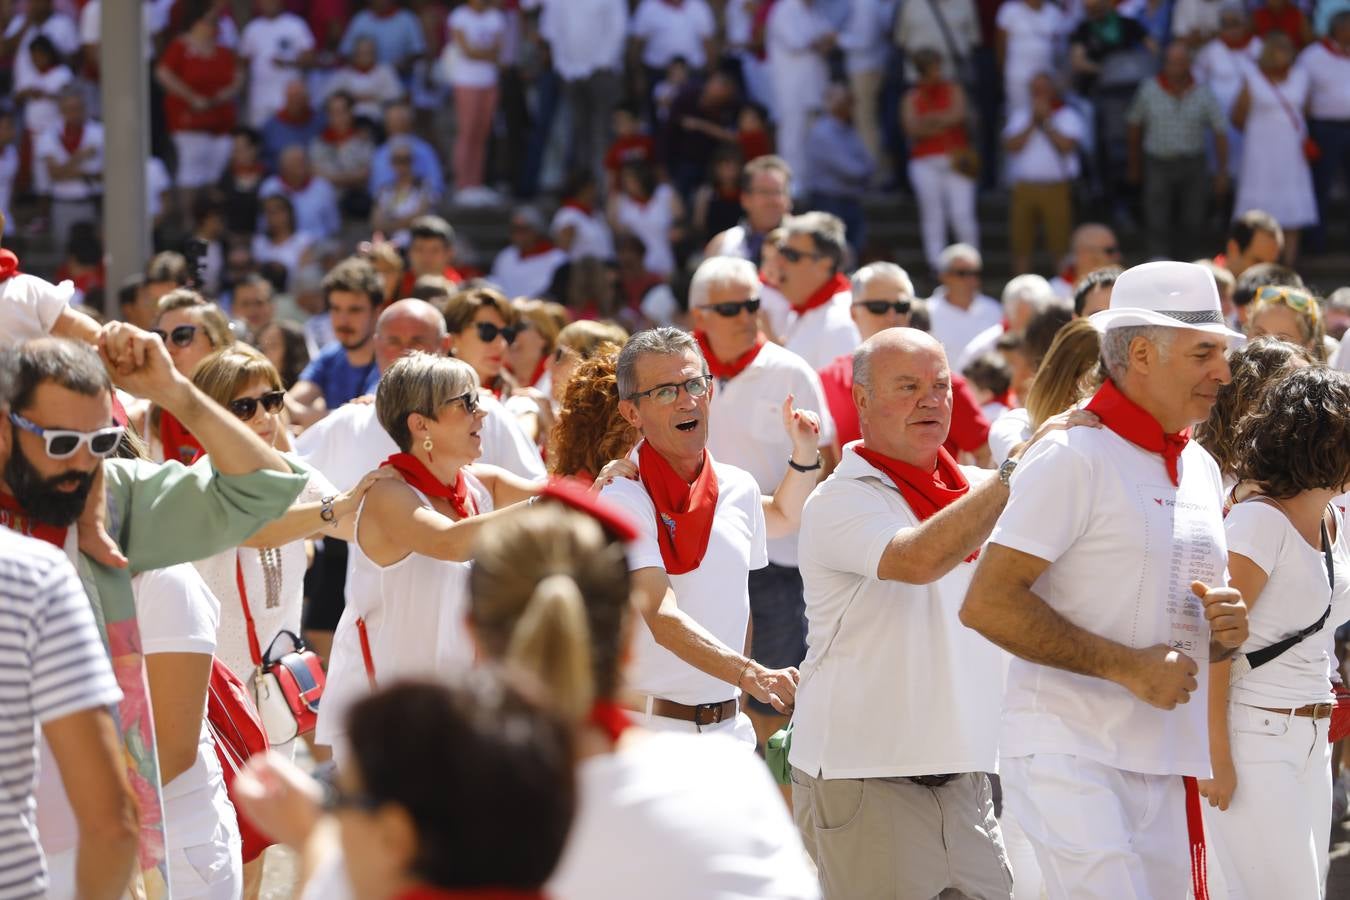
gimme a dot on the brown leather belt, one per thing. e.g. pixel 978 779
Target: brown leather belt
pixel 1312 711
pixel 932 781
pixel 701 715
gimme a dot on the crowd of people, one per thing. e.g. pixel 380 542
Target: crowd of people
pixel 530 576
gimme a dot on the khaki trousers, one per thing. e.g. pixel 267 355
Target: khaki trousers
pixel 892 839
pixel 1049 204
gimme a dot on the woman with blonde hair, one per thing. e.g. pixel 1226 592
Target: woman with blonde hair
pixel 1067 374
pixel 1291 315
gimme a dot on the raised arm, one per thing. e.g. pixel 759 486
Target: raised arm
pixel 783 510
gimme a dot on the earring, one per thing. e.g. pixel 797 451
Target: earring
pixel 426 444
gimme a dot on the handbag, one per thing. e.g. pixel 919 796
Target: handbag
pixel 964 161
pixel 286 686
pixel 238 734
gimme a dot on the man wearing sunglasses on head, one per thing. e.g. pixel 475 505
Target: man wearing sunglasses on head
pixel 56 434
pixel 345 369
pixel 819 327
pixel 752 377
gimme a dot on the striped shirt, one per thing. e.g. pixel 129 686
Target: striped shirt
pixel 52 664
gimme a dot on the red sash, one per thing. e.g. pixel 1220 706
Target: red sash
pixel 417 475
pixel 684 512
pixel 925 492
pixel 13 517
pixel 824 294
pixel 178 442
pixel 1129 420
pixel 724 371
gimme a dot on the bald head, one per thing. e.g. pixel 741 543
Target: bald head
pixel 406 326
pixel 1094 246
pixel 902 388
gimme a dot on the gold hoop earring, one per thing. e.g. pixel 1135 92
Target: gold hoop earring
pixel 426 444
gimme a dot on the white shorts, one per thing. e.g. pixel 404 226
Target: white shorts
pixel 210 871
pixel 202 157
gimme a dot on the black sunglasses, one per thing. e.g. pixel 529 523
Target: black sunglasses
pixel 965 273
pixel 470 401
pixel 487 332
pixel 732 308
pixel 881 307
pixel 246 407
pixel 182 335
pixel 793 255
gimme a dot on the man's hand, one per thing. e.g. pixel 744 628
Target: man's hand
pixel 803 429
pixel 776 687
pixel 1161 676
pixel 1226 612
pixel 1072 418
pixel 139 364
pixel 95 542
pixel 1219 789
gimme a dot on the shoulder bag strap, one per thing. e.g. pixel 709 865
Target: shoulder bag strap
pixel 958 57
pixel 1266 654
pixel 1288 110
pixel 254 649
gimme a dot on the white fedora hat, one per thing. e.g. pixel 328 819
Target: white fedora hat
pixel 1166 294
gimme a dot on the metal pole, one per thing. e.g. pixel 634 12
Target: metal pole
pixel 126 126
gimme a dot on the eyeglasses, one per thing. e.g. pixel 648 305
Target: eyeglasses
pixel 487 332
pixel 881 307
pixel 470 401
pixel 732 308
pixel 182 335
pixel 63 444
pixel 793 255
pixel 1299 301
pixel 246 407
pixel 965 273
pixel 666 394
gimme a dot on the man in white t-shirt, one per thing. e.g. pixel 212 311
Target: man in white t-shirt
pixel 525 268
pixel 753 378
pixel 958 310
pixel 766 197
pixel 701 531
pixel 819 326
pixel 1105 575
pixel 664 31
pixel 71 159
pixel 277 45
pixel 1023 297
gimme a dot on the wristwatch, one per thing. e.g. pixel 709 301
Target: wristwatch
pixel 326 509
pixel 1005 471
pixel 811 468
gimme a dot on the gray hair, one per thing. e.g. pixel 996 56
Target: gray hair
pixel 1116 345
pixel 1339 299
pixel 1033 290
pixel 419 383
pixel 721 271
pixel 864 276
pixel 951 254
pixel 825 230
pixel 862 365
pixel 663 341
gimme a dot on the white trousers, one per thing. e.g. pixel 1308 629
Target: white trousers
pixel 946 201
pixel 740 729
pixel 202 157
pixel 1100 833
pixel 1273 839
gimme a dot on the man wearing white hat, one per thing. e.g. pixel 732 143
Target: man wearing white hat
pixel 1105 575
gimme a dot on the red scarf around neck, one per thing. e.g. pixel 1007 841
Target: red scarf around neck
pixel 302 118
pixel 684 512
pixel 331 135
pixel 13 517
pixel 71 137
pixel 539 369
pixel 9 265
pixel 926 492
pixel 1176 90
pixel 610 718
pixel 585 209
pixel 725 371
pixel 1334 48
pixel 418 476
pixel 537 250
pixel 178 442
pixel 1240 44
pixel 1132 422
pixel 824 294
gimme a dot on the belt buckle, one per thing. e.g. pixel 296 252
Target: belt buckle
pixel 714 708
pixel 1322 710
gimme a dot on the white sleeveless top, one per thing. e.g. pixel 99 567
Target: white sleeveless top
pixel 414 612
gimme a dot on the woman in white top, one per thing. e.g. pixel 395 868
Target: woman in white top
pixel 1275 174
pixel 650 210
pixel 178 615
pixel 477 29
pixel 409 569
pixel 1269 814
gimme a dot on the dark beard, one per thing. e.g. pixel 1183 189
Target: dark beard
pixel 39 496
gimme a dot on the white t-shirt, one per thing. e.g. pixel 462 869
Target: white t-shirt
pixel 674 816
pixel 43 114
pixel 905 688
pixel 652 222
pixel 525 276
pixel 285 37
pixel 177 613
pixel 1038 161
pixel 955 327
pixel 670 31
pixel 58 28
pixel 1032 35
pixel 821 335
pixel 1011 428
pixel 1328 82
pixel 1124 545
pixel 371 89
pixel 9 170
pixel 984 342
pixel 745 424
pixel 29 307
pixel 50 148
pixel 1341 360
pixel 716 594
pixel 481 30
pixel 591 236
pixel 290 252
pixel 1295 596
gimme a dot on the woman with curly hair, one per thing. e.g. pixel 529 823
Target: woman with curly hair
pixel 589 431
pixel 1269 813
pixel 1262 362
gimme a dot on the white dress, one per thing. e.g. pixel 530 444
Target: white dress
pixel 1224 70
pixel 414 612
pixel 1275 175
pixel 651 221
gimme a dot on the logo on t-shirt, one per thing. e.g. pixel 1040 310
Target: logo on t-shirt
pixel 669 522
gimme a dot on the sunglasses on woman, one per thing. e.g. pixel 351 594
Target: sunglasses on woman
pixel 63 444
pixel 470 401
pixel 881 307
pixel 246 407
pixel 182 335
pixel 1299 301
pixel 487 332
pixel 732 309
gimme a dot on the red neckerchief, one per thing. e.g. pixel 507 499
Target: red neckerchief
pixel 492 386
pixel 925 492
pixel 72 136
pixel 366 69
pixel 1132 422
pixel 424 892
pixel 178 442
pixel 611 718
pixel 1176 90
pixel 584 208
pixel 1068 275
pixel 386 14
pixel 824 294
pixel 684 512
pixel 1241 44
pixel 331 135
pixel 9 265
pixel 539 369
pixel 730 194
pixel 13 517
pixel 1334 48
pixel 1008 399
pixel 285 115
pixel 725 371
pixel 295 188
pixel 538 249
pixel 418 476
pixel 453 275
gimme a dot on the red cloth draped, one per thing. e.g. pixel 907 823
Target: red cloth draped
pixel 725 371
pixel 1132 422
pixel 684 512
pixel 417 475
pixel 926 492
pixel 824 294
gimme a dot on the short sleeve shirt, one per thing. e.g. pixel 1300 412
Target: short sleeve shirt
pixel 337 378
pixel 29 307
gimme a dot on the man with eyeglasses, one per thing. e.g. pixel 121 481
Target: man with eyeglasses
pixel 1091 246
pixel 346 368
pixel 958 310
pixel 818 326
pixel 766 197
pixel 56 400
pixel 752 378
pixel 703 527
